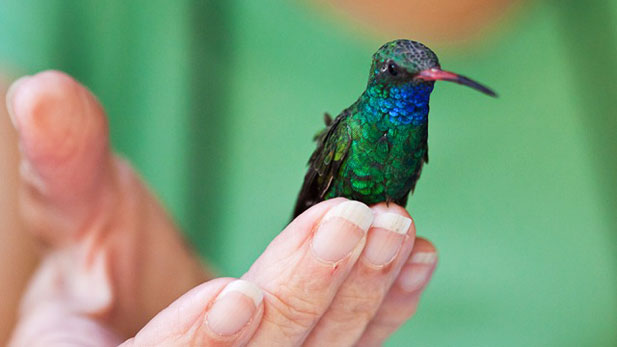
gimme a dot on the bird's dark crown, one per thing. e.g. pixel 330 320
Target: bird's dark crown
pixel 403 58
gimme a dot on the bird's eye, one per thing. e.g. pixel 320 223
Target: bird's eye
pixel 392 69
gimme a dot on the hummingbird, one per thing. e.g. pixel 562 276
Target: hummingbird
pixel 374 150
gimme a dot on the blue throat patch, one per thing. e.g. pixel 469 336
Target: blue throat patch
pixel 404 104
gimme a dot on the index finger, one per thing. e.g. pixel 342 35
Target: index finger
pixel 303 268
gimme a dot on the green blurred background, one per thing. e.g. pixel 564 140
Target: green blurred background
pixel 215 103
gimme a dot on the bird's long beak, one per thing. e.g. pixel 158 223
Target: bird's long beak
pixel 435 74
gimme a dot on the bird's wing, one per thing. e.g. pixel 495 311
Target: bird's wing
pixel 416 176
pixel 332 147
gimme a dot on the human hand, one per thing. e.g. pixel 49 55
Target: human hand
pixel 339 274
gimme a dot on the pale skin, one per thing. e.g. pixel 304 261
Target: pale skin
pixel 438 22
pixel 340 274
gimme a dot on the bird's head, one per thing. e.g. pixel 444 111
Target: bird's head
pixel 405 61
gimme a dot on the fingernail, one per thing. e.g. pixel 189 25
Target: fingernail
pixel 385 238
pixel 426 258
pixel 234 307
pixel 341 230
pixel 415 274
pixel 9 98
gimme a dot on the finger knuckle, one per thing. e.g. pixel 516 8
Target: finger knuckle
pixel 292 311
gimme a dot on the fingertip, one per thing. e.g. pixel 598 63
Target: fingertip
pixel 57 119
pixel 234 308
pixel 223 311
pixel 62 133
pixel 423 245
pixel 419 268
pixel 384 209
pixel 402 300
pixel 391 237
pixel 320 208
pixel 391 208
pixel 341 232
pixel 176 320
pixel 306 224
pixel 312 216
